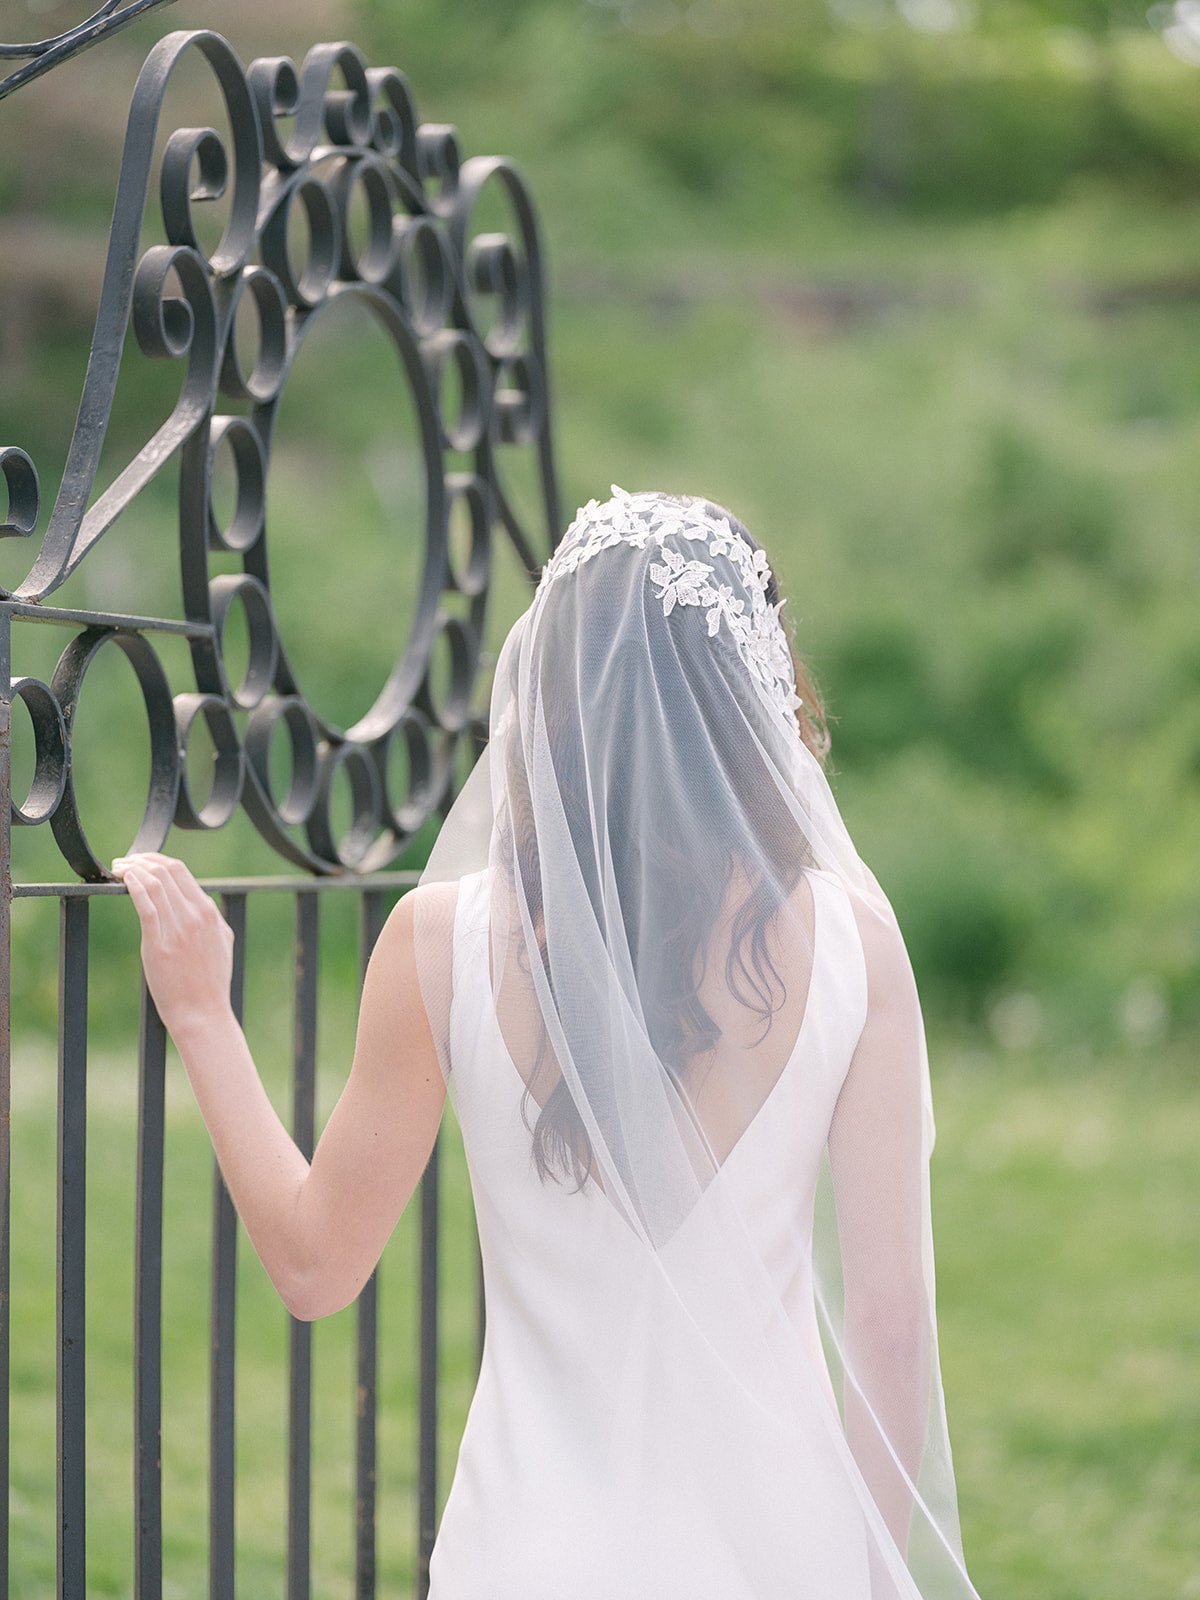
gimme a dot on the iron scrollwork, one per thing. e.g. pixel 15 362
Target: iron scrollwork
pixel 40 55
pixel 454 304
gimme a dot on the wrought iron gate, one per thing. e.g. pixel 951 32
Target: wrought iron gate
pixel 463 311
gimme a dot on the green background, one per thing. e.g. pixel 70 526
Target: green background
pixel 921 304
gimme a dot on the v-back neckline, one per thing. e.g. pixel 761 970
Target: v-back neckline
pixel 782 1078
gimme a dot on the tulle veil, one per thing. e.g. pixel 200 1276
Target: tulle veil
pixel 650 824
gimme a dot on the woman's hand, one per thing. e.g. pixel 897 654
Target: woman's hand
pixel 187 946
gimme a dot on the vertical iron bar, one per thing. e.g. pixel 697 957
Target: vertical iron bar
pixel 5 1068
pixel 428 1361
pixel 223 1307
pixel 147 1304
pixel 428 1407
pixel 299 1545
pixel 371 917
pixel 72 1172
pixel 428 1365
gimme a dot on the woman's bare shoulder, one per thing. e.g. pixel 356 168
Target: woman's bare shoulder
pixel 410 973
pixel 424 912
pixel 890 981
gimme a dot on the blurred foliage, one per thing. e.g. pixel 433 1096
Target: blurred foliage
pixel 776 99
pixel 921 303
pixel 922 306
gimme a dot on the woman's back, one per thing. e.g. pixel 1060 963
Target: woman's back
pixel 609 1450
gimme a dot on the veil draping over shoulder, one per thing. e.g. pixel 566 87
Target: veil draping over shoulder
pixel 655 835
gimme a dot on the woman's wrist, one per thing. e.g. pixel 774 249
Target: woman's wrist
pixel 198 1027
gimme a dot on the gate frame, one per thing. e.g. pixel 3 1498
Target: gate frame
pixel 426 278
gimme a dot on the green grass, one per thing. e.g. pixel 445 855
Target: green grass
pixel 261 1364
pixel 1066 1247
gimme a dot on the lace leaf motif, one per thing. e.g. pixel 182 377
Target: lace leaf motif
pixel 638 520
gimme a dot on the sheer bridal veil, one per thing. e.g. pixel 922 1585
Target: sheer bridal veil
pixel 653 829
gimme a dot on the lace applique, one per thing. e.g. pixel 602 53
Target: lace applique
pixel 646 518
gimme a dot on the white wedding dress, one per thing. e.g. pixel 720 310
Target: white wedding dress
pixel 609 1453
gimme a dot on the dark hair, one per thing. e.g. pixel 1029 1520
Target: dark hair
pixel 681 1026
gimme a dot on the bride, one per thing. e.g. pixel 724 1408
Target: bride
pixel 677 1021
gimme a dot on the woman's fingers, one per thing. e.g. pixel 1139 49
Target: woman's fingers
pixel 198 904
pixel 194 902
pixel 169 868
pixel 159 896
pixel 159 886
pixel 182 904
pixel 143 903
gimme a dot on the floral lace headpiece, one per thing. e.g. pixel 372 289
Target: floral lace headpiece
pixel 649 518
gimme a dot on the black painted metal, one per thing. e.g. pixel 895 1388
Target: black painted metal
pixel 72 1172
pixel 463 312
pixel 147 1304
pixel 372 911
pixel 50 52
pixel 222 1367
pixel 442 296
pixel 260 885
pixel 427 1436
pixel 5 1086
pixel 304 1055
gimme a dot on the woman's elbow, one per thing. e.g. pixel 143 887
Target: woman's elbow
pixel 313 1295
pixel 891 1325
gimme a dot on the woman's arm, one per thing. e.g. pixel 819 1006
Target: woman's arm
pixel 880 1175
pixel 319 1227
